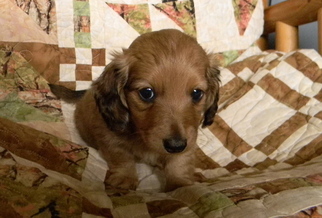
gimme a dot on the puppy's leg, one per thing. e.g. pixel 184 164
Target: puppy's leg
pixel 179 171
pixel 122 172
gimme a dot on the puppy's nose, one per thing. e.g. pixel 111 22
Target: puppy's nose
pixel 174 145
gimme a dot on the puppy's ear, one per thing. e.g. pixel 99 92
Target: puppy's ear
pixel 109 93
pixel 212 76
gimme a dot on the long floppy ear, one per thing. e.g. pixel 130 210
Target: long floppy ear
pixel 109 93
pixel 212 94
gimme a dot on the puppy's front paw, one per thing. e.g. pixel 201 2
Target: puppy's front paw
pixel 122 180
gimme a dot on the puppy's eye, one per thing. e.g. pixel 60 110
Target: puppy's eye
pixel 197 95
pixel 147 94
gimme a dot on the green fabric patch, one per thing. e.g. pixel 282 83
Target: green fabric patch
pixel 182 13
pixel 211 202
pixel 18 76
pixel 41 201
pixel 82 40
pixel 227 57
pixel 126 200
pixel 81 8
pixel 137 16
pixel 82 22
pixel 14 109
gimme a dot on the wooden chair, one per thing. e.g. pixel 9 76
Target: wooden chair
pixel 285 18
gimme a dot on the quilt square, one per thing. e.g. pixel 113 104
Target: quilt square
pixel 97 71
pixel 83 56
pixel 214 148
pixel 136 15
pixel 67 56
pixel 300 138
pixel 82 85
pixel 252 157
pixel 98 57
pixel 83 72
pixel 82 22
pixel 67 72
pixel 255 110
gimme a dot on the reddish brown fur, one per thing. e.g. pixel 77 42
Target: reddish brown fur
pixel 113 118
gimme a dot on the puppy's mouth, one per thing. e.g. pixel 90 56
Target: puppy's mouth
pixel 175 145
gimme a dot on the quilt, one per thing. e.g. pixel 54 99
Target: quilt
pixel 46 172
pixel 261 157
pixel 70 42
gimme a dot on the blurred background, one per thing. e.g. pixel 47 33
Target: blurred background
pixel 308 34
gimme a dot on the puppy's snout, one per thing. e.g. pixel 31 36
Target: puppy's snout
pixel 175 145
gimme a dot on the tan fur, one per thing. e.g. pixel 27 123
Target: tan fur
pixel 114 119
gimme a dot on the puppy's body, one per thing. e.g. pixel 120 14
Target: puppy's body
pixel 147 105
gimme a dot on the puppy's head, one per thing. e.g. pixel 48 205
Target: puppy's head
pixel 162 88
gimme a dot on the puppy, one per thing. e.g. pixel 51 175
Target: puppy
pixel 147 105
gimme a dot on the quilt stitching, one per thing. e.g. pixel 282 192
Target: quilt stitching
pixel 287 136
pixel 141 16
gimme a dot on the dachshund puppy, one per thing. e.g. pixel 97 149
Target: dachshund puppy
pixel 147 105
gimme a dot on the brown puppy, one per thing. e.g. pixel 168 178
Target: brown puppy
pixel 147 105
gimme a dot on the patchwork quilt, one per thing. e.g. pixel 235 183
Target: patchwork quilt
pixel 71 41
pixel 261 157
